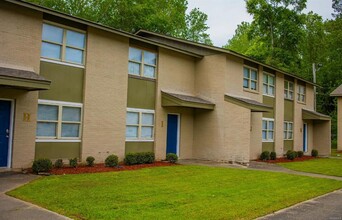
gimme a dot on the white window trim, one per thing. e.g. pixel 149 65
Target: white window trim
pixel 268 140
pixel 60 105
pixel 268 85
pixel 141 111
pixel 142 64
pixel 287 139
pixel 61 60
pixel 249 89
pixel 301 94
pixel 288 90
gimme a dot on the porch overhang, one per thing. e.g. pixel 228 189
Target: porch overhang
pixel 179 100
pixel 22 79
pixel 312 115
pixel 253 105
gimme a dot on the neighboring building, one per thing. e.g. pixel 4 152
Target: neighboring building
pixel 338 93
pixel 73 88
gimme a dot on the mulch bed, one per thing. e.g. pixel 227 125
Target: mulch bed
pixel 99 168
pixel 285 160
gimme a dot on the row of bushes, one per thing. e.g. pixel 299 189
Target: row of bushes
pixel 45 165
pixel 290 154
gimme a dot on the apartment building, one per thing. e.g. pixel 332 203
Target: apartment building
pixel 73 88
pixel 338 94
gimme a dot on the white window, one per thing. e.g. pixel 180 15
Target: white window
pixel 301 94
pixel 288 90
pixel 250 78
pixel 142 63
pixel 62 44
pixel 267 129
pixel 58 120
pixel 268 84
pixel 139 124
pixel 288 130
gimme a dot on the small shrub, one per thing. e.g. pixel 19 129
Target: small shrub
pixel 291 155
pixel 58 163
pixel 171 157
pixel 90 161
pixel 42 165
pixel 73 162
pixel 265 155
pixel 300 153
pixel 273 155
pixel 112 161
pixel 139 158
pixel 314 153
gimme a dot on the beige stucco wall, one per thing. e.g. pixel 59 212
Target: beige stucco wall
pixel 255 136
pixel 176 73
pixel 105 95
pixel 339 123
pixel 279 115
pixel 322 137
pixel 20 40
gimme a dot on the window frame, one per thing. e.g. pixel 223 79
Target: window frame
pixel 140 125
pixel 249 89
pixel 267 130
pixel 287 131
pixel 59 122
pixel 142 63
pixel 287 90
pixel 268 84
pixel 299 94
pixel 64 45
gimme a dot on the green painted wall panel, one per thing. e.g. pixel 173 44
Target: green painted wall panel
pixel 56 150
pixel 268 146
pixel 270 101
pixel 288 145
pixel 288 110
pixel 141 93
pixel 66 82
pixel 134 147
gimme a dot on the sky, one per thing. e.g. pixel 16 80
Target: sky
pixel 225 15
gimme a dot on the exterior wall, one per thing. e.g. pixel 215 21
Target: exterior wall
pixel 105 99
pixel 279 115
pixel 322 137
pixel 20 36
pixel 339 123
pixel 176 73
pixel 141 93
pixel 55 151
pixel 270 101
pixel 256 134
pixel 133 147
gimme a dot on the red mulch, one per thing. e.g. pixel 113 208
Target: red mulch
pixel 285 160
pixel 99 168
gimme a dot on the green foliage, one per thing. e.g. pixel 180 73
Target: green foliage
pixel 163 16
pixel 139 158
pixel 112 161
pixel 41 165
pixel 300 154
pixel 172 158
pixel 291 155
pixel 273 155
pixel 59 163
pixel 265 155
pixel 314 153
pixel 90 161
pixel 73 162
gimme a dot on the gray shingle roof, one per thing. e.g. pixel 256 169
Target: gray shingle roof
pixel 21 74
pixel 188 98
pixel 249 101
pixel 337 91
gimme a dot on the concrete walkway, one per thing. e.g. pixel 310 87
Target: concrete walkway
pixel 15 209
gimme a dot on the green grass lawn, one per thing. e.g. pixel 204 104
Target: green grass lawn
pixel 177 192
pixel 327 166
pixel 335 153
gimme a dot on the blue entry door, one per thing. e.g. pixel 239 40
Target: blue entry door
pixel 172 133
pixel 305 137
pixel 5 112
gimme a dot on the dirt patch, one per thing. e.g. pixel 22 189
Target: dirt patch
pixel 285 160
pixel 99 168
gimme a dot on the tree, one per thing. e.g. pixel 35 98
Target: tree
pixel 163 16
pixel 337 6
